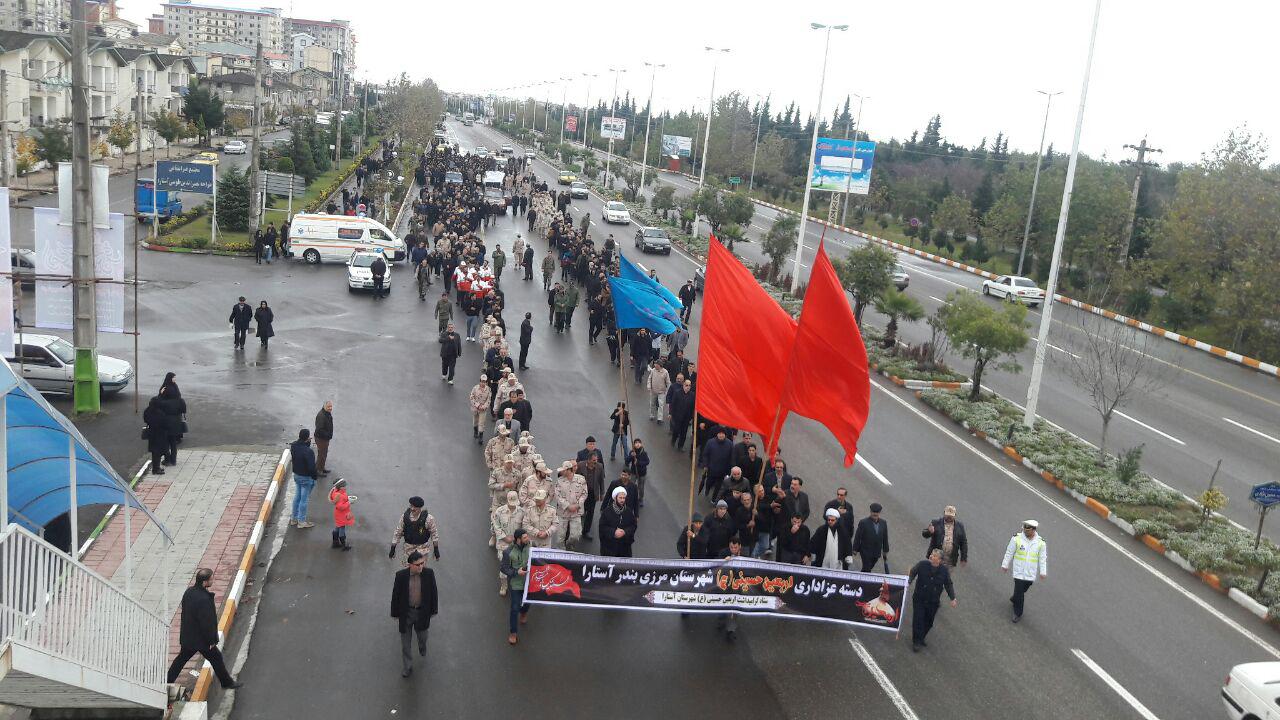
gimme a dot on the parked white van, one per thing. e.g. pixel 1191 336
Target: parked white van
pixel 332 238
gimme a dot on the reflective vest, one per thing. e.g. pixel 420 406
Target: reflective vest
pixel 1027 555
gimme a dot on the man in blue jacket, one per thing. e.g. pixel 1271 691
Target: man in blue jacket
pixel 304 477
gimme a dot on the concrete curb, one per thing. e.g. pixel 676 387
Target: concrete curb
pixel 193 251
pixel 922 384
pixel 1210 579
pixel 201 692
pixel 1260 366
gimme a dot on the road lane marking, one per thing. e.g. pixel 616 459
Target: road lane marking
pixel 885 683
pixel 939 277
pixel 1051 346
pixel 1115 685
pixel 1192 597
pixel 878 475
pixel 1255 432
pixel 1154 430
pixel 944 302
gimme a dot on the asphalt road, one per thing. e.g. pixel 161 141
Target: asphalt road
pixel 323 640
pixel 1206 408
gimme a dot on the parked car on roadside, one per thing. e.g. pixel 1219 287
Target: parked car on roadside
pixel 235 147
pixel 48 363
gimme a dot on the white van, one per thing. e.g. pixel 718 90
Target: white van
pixel 317 238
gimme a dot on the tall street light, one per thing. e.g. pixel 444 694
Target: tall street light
pixel 1046 316
pixel 1035 182
pixel 857 127
pixel 586 120
pixel 648 122
pixel 751 183
pixel 613 111
pixel 813 149
pixel 706 139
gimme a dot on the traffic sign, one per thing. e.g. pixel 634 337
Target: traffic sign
pixel 735 180
pixel 193 177
pixel 276 183
pixel 1266 494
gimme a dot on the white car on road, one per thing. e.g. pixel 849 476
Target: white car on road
pixel 235 147
pixel 506 149
pixel 1014 288
pixel 1252 691
pixel 48 363
pixel 530 154
pixel 482 151
pixel 616 212
pixel 360 277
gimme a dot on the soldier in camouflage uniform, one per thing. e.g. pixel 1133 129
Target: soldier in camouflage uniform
pixel 498 448
pixel 478 400
pixel 570 500
pixel 503 522
pixel 538 481
pixel 541 521
pixel 417 528
pixel 503 479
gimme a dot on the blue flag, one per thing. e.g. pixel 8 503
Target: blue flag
pixel 636 305
pixel 630 272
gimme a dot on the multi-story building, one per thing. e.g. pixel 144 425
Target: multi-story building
pixel 34 15
pixel 195 23
pixel 333 35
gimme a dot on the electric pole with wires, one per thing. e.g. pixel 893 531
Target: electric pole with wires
pixel 1141 164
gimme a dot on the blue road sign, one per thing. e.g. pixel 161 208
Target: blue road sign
pixel 185 176
pixel 1266 494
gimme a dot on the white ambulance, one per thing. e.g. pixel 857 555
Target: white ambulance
pixel 316 238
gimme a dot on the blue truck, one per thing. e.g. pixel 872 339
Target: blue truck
pixel 167 203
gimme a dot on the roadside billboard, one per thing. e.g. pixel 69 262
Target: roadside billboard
pixel 571 123
pixel 676 145
pixel 193 177
pixel 613 128
pixel 843 165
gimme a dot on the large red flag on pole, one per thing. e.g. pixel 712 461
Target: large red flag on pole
pixel 828 379
pixel 743 349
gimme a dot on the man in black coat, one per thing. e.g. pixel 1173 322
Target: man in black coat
pixel 717 458
pixel 871 539
pixel 719 527
pixel 524 410
pixel 692 542
pixel 413 602
pixel 687 295
pixel 821 540
pixel 526 336
pixel 379 270
pixel 528 261
pixel 617 526
pixel 241 316
pixel 841 505
pixel 198 632
pixel 947 534
pixel 931 578
pixel 450 351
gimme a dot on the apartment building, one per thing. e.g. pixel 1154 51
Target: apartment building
pixel 196 23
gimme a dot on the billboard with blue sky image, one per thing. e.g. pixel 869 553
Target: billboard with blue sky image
pixel 843 165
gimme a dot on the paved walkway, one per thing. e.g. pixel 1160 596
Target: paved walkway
pixel 210 502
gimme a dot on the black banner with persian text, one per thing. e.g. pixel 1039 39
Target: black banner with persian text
pixel 738 585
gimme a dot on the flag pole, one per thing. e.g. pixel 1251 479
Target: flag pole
pixel 773 429
pixel 693 472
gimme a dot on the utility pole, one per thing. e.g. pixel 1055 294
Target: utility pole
pixel 751 183
pixel 857 128
pixel 84 321
pixel 706 138
pixel 254 210
pixel 342 96
pixel 1141 163
pixel 1035 182
pixel 648 122
pixel 4 128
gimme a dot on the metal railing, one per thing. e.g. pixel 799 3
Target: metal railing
pixel 56 605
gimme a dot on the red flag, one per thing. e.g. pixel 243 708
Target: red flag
pixel 828 380
pixel 743 349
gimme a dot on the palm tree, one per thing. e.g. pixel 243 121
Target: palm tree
pixel 897 305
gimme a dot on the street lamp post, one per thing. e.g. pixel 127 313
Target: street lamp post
pixel 857 127
pixel 813 148
pixel 613 110
pixel 1046 315
pixel 564 107
pixel 706 139
pixel 751 183
pixel 648 122
pixel 1035 182
pixel 586 117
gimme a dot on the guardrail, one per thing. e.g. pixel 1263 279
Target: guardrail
pixel 54 604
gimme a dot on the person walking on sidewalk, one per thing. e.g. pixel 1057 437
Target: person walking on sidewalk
pixel 342 517
pixel 241 316
pixel 198 632
pixel 414 602
pixel 324 433
pixel 931 578
pixel 515 565
pixel 1028 555
pixel 304 477
pixel 156 423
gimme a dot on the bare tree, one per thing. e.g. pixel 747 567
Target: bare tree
pixel 1111 363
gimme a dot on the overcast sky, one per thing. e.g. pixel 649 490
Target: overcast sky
pixel 1181 73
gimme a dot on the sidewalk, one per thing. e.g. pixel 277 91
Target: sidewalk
pixel 210 502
